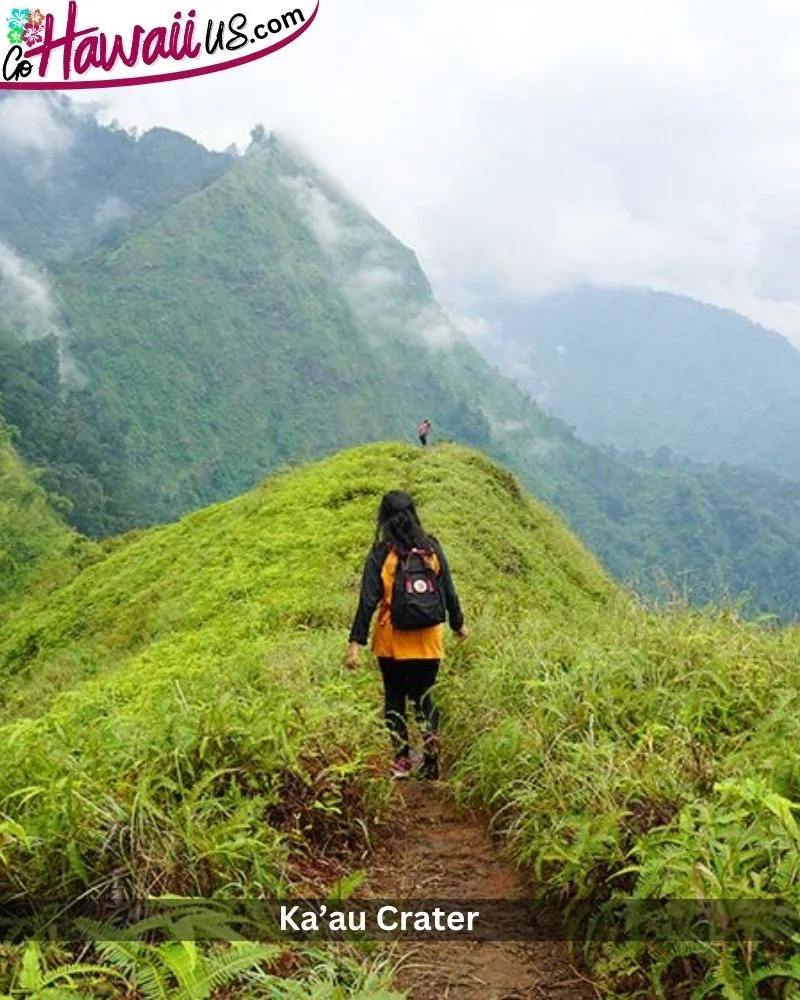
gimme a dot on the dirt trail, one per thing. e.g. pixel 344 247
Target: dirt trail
pixel 442 855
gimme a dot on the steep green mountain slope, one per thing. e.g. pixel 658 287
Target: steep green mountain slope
pixel 31 532
pixel 643 370
pixel 68 184
pixel 56 428
pixel 266 319
pixel 297 323
pixel 177 718
pixel 218 345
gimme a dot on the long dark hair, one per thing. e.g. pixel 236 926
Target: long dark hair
pixel 399 524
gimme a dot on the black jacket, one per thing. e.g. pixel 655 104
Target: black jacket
pixel 372 591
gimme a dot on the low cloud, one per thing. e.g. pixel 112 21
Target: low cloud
pixel 378 279
pixel 380 295
pixel 476 328
pixel 28 125
pixel 28 307
pixel 318 210
pixel 111 210
pixel 432 326
pixel 371 289
pixel 531 149
pixel 26 296
pixel 378 292
pixel 539 449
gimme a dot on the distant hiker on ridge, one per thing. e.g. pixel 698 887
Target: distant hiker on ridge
pixel 406 575
pixel 424 430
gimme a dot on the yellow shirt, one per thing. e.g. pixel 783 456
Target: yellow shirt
pixel 399 644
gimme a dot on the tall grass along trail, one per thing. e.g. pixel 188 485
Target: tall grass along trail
pixel 176 720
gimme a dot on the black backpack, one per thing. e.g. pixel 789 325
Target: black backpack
pixel 417 599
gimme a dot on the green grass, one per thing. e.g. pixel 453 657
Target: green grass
pixel 34 542
pixel 176 717
pixel 644 756
pixel 241 312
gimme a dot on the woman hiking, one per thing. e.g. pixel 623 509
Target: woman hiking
pixel 407 578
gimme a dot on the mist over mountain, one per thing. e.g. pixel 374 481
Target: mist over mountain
pixel 643 370
pixel 68 184
pixel 247 313
pixel 218 337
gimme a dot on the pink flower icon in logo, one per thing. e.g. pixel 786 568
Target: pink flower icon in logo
pixel 20 16
pixel 36 17
pixel 33 35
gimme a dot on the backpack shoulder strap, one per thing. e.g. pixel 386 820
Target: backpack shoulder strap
pixel 435 554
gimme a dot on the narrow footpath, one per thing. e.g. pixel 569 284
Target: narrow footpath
pixel 440 854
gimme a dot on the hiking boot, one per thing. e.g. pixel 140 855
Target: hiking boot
pixel 430 759
pixel 401 768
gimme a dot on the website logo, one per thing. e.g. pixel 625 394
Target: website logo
pixel 81 48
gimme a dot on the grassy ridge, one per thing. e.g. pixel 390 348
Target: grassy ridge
pixel 177 719
pixel 227 314
pixel 287 558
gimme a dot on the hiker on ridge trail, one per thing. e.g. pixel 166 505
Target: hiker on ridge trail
pixel 424 431
pixel 407 578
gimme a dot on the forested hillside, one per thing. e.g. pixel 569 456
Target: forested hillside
pixel 32 534
pixel 250 315
pixel 219 344
pixel 68 184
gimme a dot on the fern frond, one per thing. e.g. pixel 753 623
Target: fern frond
pixel 182 961
pixel 70 971
pixel 783 970
pixel 242 958
pixel 153 983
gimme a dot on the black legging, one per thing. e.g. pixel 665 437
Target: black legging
pixel 409 679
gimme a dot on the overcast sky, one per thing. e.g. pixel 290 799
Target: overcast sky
pixel 528 144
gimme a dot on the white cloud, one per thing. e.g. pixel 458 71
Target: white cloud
pixel 319 212
pixel 28 308
pixel 28 125
pixel 112 209
pixel 432 325
pixel 476 328
pixel 374 289
pixel 528 144
pixel 376 279
pixel 25 295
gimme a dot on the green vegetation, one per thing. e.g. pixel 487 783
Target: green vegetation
pixel 244 313
pixel 33 539
pixel 666 527
pixel 218 346
pixel 642 756
pixel 177 721
pixel 181 970
pixel 94 184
